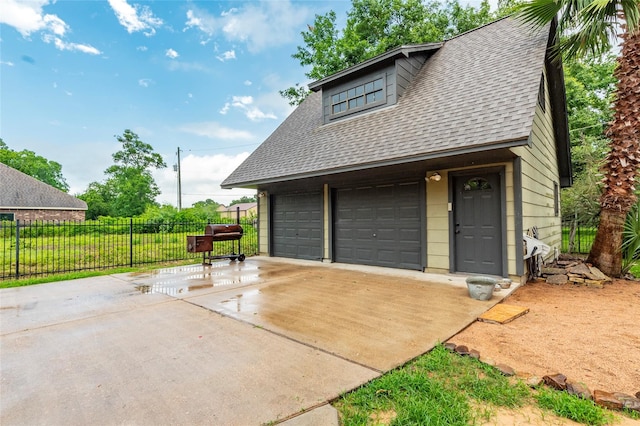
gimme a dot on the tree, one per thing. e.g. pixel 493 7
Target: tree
pixel 98 199
pixel 130 179
pixel 587 27
pixel 208 203
pixel 129 188
pixel 377 26
pixel 243 199
pixel 590 86
pixel 34 165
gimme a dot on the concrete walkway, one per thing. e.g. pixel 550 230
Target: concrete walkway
pixel 265 340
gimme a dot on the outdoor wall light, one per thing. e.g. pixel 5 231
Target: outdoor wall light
pixel 261 194
pixel 435 177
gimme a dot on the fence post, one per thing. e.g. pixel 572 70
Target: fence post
pixel 17 248
pixel 131 242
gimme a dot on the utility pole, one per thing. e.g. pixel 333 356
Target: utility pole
pixel 179 184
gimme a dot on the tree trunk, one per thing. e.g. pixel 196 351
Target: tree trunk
pixel 606 251
pixel 621 165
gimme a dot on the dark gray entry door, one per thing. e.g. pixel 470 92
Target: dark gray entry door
pixel 297 225
pixel 379 225
pixel 478 224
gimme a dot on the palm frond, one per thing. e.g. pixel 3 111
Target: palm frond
pixel 631 239
pixel 631 9
pixel 538 13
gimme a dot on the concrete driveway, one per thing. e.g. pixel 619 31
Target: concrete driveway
pixel 235 343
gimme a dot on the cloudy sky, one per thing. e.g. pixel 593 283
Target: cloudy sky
pixel 200 75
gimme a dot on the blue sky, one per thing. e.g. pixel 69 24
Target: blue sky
pixel 200 75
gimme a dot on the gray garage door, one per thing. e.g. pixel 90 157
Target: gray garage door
pixel 379 225
pixel 297 225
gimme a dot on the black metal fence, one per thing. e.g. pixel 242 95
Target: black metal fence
pixel 39 248
pixel 577 235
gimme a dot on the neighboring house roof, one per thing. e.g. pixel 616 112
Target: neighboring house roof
pixel 477 92
pixel 21 191
pixel 233 208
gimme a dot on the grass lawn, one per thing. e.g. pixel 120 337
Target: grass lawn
pixel 443 388
pixel 95 273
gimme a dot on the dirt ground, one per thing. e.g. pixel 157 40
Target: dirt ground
pixel 588 334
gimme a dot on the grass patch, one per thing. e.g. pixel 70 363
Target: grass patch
pixel 444 388
pixel 87 274
pixel 572 407
pixel 435 389
pixel 630 413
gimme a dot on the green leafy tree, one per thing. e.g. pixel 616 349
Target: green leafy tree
pixel 206 210
pixel 208 203
pixel 130 179
pixel 587 27
pixel 129 188
pixel 98 198
pixel 49 172
pixel 377 26
pixel 243 199
pixel 590 86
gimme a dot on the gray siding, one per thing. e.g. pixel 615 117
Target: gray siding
pixel 389 76
pixel 397 79
pixel 406 70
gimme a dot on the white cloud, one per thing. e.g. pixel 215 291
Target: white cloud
pixel 142 48
pixel 260 25
pixel 248 83
pixel 246 105
pixel 200 178
pixel 145 82
pixel 27 17
pixel 242 101
pixel 64 45
pixel 7 63
pixel 230 54
pixel 214 130
pixel 172 54
pixel 135 18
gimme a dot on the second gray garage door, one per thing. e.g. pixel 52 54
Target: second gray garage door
pixel 297 225
pixel 379 225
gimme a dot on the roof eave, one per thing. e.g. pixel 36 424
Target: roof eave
pixel 405 50
pixel 391 162
pixel 558 100
pixel 41 208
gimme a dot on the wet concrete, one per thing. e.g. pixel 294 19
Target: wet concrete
pixel 375 320
pixel 235 343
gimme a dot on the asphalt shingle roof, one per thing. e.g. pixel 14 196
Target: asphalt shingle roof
pixel 478 90
pixel 21 191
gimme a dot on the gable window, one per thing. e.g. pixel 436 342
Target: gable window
pixel 367 94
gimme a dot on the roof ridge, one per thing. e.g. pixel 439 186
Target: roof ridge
pixel 36 193
pixel 478 28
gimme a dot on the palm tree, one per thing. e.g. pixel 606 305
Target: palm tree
pixel 588 26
